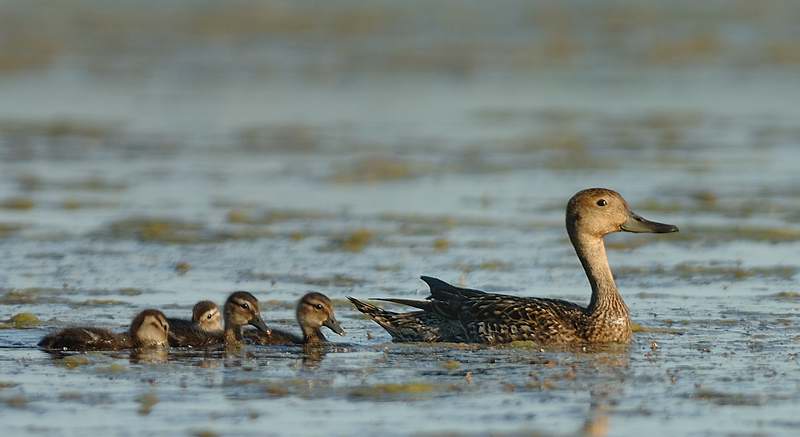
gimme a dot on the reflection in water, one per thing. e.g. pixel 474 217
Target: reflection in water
pixel 313 356
pixel 149 356
pixel 611 373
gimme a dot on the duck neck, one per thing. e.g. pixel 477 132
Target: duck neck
pixel 592 252
pixel 233 334
pixel 312 335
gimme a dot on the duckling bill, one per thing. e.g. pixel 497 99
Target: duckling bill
pixel 454 314
pixel 149 328
pixel 314 310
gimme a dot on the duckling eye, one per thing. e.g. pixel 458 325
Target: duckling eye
pixel 318 306
pixel 602 202
pixel 245 306
pixel 209 316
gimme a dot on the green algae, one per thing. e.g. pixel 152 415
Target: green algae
pixel 8 229
pixel 239 216
pixel 294 138
pixel 451 365
pixel 712 235
pixel 112 369
pixel 441 244
pixel 17 203
pixel 335 280
pixel 17 401
pixel 22 321
pixel 382 391
pixel 99 302
pixel 786 296
pixel 75 361
pixel 711 271
pixel 169 231
pixel 375 170
pixel 7 384
pixel 729 399
pixel 355 241
pixel 493 265
pixel 182 267
pixel 638 328
pixel 57 128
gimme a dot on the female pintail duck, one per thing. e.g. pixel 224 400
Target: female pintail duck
pixel 314 310
pixel 240 309
pixel 206 317
pixel 149 328
pixel 456 314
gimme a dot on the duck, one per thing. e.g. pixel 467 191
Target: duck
pixel 314 310
pixel 240 309
pixel 462 315
pixel 206 317
pixel 149 329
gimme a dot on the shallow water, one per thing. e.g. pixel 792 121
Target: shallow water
pixel 352 173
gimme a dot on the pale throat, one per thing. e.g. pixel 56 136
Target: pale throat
pixel 591 250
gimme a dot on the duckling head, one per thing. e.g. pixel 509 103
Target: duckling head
pixel 315 310
pixel 207 316
pixel 597 212
pixel 241 309
pixel 150 328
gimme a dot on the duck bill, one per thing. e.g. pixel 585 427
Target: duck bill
pixel 639 224
pixel 258 322
pixel 334 326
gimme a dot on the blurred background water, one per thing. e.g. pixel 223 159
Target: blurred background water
pixel 154 153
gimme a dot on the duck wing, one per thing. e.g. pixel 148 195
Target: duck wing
pixel 499 318
pixel 276 337
pixel 192 336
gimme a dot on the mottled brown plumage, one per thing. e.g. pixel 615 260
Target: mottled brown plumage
pixel 148 329
pixel 206 317
pixel 456 314
pixel 314 310
pixel 240 309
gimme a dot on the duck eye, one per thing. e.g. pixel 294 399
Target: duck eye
pixel 602 202
pixel 209 316
pixel 245 306
pixel 318 306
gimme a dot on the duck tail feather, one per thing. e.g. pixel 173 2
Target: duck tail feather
pixel 367 308
pixel 444 291
pixel 421 304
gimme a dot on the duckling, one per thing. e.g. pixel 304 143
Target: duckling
pixel 241 308
pixel 456 314
pixel 149 328
pixel 206 317
pixel 314 310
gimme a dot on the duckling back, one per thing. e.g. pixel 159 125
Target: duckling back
pixel 85 339
pixel 276 337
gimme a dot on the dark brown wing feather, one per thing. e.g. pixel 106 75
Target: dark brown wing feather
pixel 192 336
pixel 499 318
pixel 179 330
pixel 457 314
pixel 275 338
